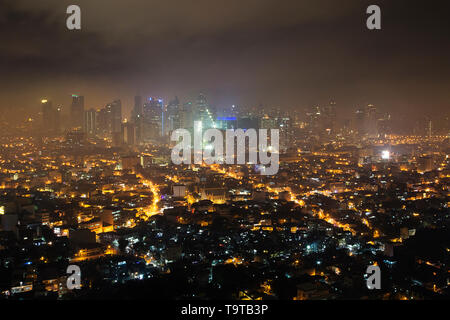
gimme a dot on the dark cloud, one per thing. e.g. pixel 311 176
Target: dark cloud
pixel 287 53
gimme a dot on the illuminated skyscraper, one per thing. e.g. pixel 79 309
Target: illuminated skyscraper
pixel 285 127
pixel 360 117
pixel 153 119
pixel 115 116
pixel 203 113
pixel 172 116
pixel 429 128
pixel 137 117
pixel 102 122
pixel 384 125
pixel 371 121
pixel 314 117
pixel 186 116
pixel 329 117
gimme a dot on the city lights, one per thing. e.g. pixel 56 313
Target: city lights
pixel 200 152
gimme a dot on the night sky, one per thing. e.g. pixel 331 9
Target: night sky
pixel 283 53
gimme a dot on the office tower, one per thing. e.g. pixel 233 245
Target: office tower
pixel 58 120
pixel 429 132
pixel 285 127
pixel 360 121
pixel 90 123
pixel 137 117
pixel 153 119
pixel 50 117
pixel 203 113
pixel 187 119
pixel 329 117
pixel 172 116
pixel 371 121
pixel 138 105
pixel 114 116
pixel 128 133
pixel 313 115
pixel 201 103
pixel 114 122
pixel 384 125
pixel 102 122
pixel 77 111
pixel 47 114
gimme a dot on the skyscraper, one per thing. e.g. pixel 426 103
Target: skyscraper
pixel 128 133
pixel 153 119
pixel 203 112
pixel 371 120
pixel 90 123
pixel 329 117
pixel 114 121
pixel 137 117
pixel 186 119
pixel 115 116
pixel 47 114
pixel 360 121
pixel 50 117
pixel 172 116
pixel 77 111
pixel 102 122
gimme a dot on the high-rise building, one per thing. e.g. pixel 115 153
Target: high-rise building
pixel 429 129
pixel 102 122
pixel 384 125
pixel 314 116
pixel 203 113
pixel 153 119
pixel 50 117
pixel 187 116
pixel 90 123
pixel 128 133
pixel 285 127
pixel 371 121
pixel 360 121
pixel 137 117
pixel 47 113
pixel 172 116
pixel 77 111
pixel 114 110
pixel 329 117
pixel 109 122
pixel 58 120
